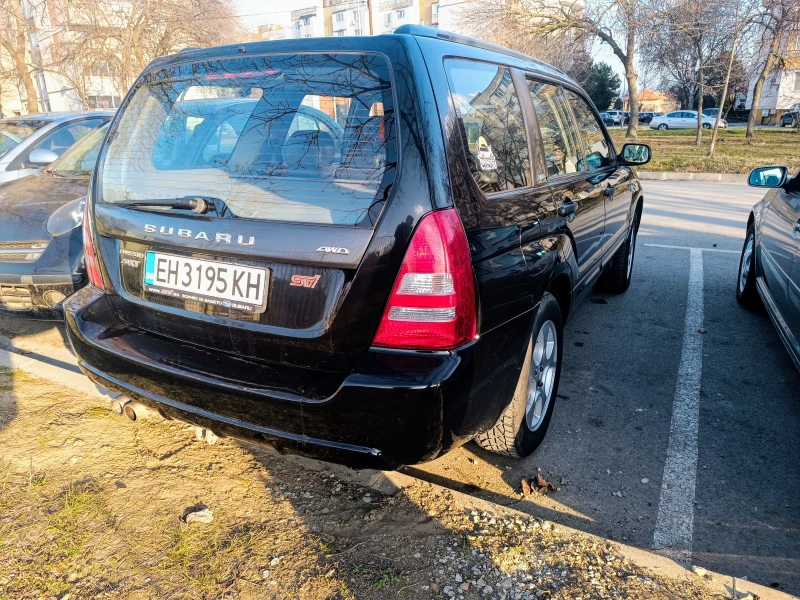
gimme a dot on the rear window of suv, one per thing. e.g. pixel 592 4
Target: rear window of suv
pixel 306 138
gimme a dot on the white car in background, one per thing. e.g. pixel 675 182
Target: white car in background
pixel 31 142
pixel 684 119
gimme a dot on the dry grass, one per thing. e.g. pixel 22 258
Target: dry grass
pixel 675 150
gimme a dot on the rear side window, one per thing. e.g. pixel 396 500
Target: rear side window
pixel 492 125
pixel 306 138
pixel 598 153
pixel 561 146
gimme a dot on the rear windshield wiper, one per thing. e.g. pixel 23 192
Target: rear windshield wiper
pixel 196 204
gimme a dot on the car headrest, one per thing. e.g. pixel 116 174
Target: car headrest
pixel 309 150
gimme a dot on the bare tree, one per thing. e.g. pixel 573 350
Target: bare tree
pixel 731 59
pixel 688 38
pixel 778 18
pixel 14 40
pixel 125 36
pixel 534 22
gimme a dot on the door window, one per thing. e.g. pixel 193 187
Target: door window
pixel 492 124
pixel 62 138
pixel 598 152
pixel 561 151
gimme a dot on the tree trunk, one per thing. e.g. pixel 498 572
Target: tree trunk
pixel 762 77
pixel 727 81
pixel 700 85
pixel 633 92
pixel 32 103
pixel 18 56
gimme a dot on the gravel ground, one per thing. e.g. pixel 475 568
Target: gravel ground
pixel 92 506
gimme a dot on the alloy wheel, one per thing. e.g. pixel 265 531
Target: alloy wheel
pixel 541 381
pixel 747 259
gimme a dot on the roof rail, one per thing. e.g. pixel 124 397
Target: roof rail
pixel 433 32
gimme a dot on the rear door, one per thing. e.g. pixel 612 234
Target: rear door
pixel 493 184
pixel 295 155
pixel 602 168
pixel 577 192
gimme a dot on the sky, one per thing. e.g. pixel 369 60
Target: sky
pixel 260 12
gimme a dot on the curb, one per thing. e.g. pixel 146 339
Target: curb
pixel 74 381
pixel 392 482
pixel 706 177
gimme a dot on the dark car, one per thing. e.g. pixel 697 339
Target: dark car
pixel 375 294
pixel 646 117
pixel 769 268
pixel 607 119
pixel 791 118
pixel 41 244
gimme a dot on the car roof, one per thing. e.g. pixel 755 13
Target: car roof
pixel 60 116
pixel 350 43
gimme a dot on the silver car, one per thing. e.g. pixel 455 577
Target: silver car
pixel 31 142
pixel 684 119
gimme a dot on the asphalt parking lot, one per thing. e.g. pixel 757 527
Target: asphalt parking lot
pixel 662 436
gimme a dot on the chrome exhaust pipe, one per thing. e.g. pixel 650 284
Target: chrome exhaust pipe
pixel 135 411
pixel 118 404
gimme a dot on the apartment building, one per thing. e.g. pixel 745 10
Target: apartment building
pixel 388 15
pixel 347 17
pixel 272 32
pixel 309 21
pixel 782 88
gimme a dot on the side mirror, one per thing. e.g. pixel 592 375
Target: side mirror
pixel 770 177
pixel 635 154
pixel 41 157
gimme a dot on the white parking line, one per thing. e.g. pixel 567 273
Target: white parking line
pixel 675 521
pixel 688 248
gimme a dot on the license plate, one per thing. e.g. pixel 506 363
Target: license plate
pixel 211 282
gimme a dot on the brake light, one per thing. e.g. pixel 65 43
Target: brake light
pixel 432 305
pixel 89 254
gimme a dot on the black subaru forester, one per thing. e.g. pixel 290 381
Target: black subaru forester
pixel 361 249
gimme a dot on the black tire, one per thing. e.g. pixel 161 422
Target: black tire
pixel 663 126
pixel 746 292
pixel 706 125
pixel 511 435
pixel 617 278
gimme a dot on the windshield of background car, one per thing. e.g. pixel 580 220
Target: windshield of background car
pixel 13 132
pixel 306 138
pixel 80 159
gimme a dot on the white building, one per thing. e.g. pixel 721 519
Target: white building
pixel 347 17
pixel 388 15
pixel 309 21
pixel 782 88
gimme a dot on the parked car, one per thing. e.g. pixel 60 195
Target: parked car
pixel 791 118
pixel 607 120
pixel 34 141
pixel 684 119
pixel 645 117
pixel 616 116
pixel 769 267
pixel 41 244
pixel 711 112
pixel 342 293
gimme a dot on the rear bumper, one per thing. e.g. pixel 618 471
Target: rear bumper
pixel 382 415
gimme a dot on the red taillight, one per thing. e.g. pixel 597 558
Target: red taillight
pixel 432 306
pixel 89 254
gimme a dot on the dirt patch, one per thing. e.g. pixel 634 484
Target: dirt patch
pixel 92 506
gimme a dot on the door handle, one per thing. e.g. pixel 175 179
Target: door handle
pixel 608 192
pixel 568 208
